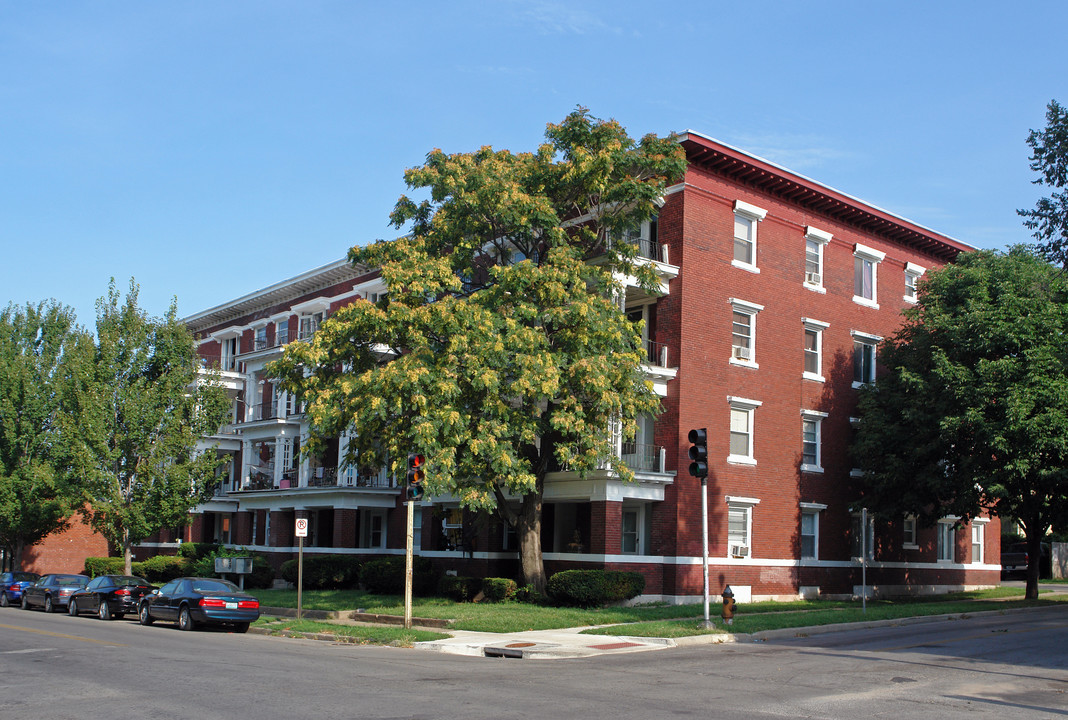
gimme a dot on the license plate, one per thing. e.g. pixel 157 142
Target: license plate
pixel 231 606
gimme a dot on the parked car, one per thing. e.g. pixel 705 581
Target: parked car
pixel 12 584
pixel 192 601
pixel 1014 560
pixel 52 591
pixel 110 596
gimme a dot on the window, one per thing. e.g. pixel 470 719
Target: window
pixel 739 525
pixel 814 243
pixel 373 528
pixel 741 430
pixel 644 238
pixel 810 529
pixel 281 333
pixel 864 358
pixel 746 217
pixel 309 324
pixel 862 546
pixel 947 538
pixel 865 277
pixel 977 541
pixel 813 349
pixel 909 539
pixel 228 354
pixel 261 338
pixel 743 332
pixel 913 273
pixel 811 427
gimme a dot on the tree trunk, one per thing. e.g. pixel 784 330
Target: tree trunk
pixel 528 528
pixel 127 552
pixel 16 558
pixel 1034 561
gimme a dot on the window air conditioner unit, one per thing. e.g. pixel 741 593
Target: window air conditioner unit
pixel 739 551
pixel 741 353
pixel 812 278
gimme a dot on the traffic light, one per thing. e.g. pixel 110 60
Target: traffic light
pixel 699 452
pixel 416 475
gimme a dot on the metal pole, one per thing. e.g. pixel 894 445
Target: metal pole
pixel 300 575
pixel 707 623
pixel 864 561
pixel 408 569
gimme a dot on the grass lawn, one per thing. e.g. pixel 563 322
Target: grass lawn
pixel 361 634
pixel 655 620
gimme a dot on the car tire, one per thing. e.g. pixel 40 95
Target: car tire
pixel 103 611
pixel 143 615
pixel 49 607
pixel 4 602
pixel 241 628
pixel 72 608
pixel 25 603
pixel 185 620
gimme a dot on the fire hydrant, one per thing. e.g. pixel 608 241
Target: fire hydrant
pixel 728 605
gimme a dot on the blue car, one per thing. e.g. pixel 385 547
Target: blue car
pixel 12 584
pixel 193 601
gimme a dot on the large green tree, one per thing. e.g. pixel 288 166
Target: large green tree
pixel 971 414
pixel 1049 158
pixel 136 411
pixel 502 351
pixel 37 346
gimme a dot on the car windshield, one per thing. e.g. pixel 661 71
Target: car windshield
pixel 214 586
pixel 130 580
pixel 79 580
pixel 23 576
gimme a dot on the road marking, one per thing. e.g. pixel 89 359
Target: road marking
pixel 62 635
pixel 27 650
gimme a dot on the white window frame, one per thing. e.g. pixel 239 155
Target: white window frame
pixel 816 418
pixel 817 327
pixel 812 510
pixel 913 273
pixel 740 355
pixel 910 533
pixel 367 531
pixel 638 512
pixel 750 216
pixel 946 541
pixel 819 239
pixel 744 505
pixel 978 534
pixel 867 256
pixel 745 408
pixel 872 342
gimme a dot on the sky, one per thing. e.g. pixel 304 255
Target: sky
pixel 211 148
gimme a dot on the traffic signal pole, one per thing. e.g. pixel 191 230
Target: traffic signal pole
pixel 408 566
pixel 699 469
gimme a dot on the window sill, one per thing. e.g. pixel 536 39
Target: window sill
pixel 741 460
pixel 745 266
pixel 812 469
pixel 865 302
pixel 910 300
pixel 910 546
pixel 744 363
pixel 815 288
pixel 813 377
pixel 857 385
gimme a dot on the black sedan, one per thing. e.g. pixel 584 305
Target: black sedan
pixel 12 584
pixel 200 601
pixel 110 596
pixel 52 591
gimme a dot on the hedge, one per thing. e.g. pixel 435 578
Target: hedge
pixel 164 568
pixel 594 588
pixel 499 589
pixel 324 572
pixel 459 587
pixel 95 566
pixel 196 550
pixel 385 576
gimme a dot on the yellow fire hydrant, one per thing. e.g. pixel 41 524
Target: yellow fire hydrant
pixel 728 605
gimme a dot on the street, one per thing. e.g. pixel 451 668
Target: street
pixel 56 666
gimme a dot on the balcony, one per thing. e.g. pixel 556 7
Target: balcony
pixel 642 457
pixel 656 354
pixel 261 477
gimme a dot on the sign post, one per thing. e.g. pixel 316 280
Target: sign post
pixel 301 532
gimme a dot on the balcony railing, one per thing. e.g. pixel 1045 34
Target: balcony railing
pixel 656 354
pixel 644 457
pixel 262 343
pixel 260 477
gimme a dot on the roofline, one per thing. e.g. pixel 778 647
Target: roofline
pixel 282 284
pixel 799 189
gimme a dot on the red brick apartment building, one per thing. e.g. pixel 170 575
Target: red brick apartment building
pixel 777 290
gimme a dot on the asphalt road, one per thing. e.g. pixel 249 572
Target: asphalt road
pixel 55 666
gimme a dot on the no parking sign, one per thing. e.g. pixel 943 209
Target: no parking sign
pixel 302 527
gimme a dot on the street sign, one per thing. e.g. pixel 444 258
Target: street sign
pixel 302 527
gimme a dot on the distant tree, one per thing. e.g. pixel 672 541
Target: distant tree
pixel 971 414
pixel 1049 158
pixel 37 343
pixel 502 351
pixel 137 409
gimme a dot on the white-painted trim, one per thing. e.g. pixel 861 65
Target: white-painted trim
pixel 739 500
pixel 752 211
pixel 868 253
pixel 745 306
pixel 743 403
pixel 821 236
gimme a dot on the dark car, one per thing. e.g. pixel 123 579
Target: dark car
pixel 52 591
pixel 12 584
pixel 195 601
pixel 110 596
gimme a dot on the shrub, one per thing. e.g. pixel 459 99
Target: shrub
pixel 163 568
pixel 196 550
pixel 110 566
pixel 499 589
pixel 594 588
pixel 385 576
pixel 324 572
pixel 262 575
pixel 458 587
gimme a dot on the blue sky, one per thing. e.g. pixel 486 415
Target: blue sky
pixel 209 148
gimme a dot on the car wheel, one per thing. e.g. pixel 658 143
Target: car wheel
pixel 241 628
pixel 104 612
pixel 185 620
pixel 72 608
pixel 49 607
pixel 143 616
pixel 4 602
pixel 25 602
